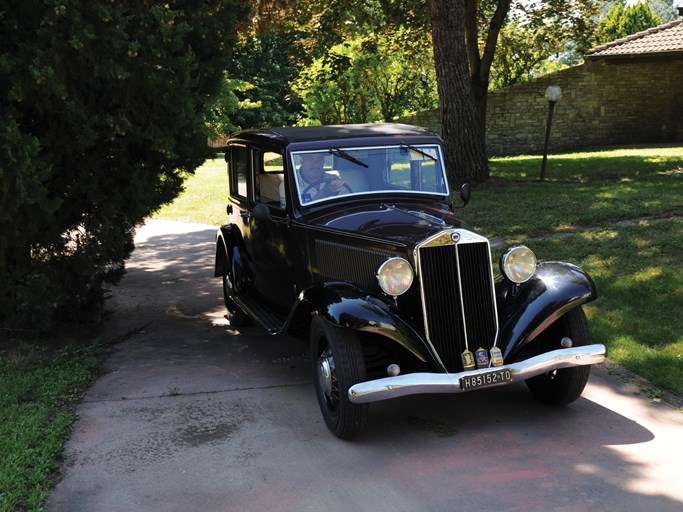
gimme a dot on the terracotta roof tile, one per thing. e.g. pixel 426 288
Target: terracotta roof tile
pixel 667 38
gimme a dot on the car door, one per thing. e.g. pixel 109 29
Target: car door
pixel 256 178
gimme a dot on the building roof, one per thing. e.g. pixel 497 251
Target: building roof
pixel 664 40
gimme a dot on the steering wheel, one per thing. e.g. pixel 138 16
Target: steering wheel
pixel 325 180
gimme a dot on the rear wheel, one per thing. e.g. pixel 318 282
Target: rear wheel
pixel 338 364
pixel 235 315
pixel 563 386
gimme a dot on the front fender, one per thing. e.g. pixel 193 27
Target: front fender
pixel 347 305
pixel 526 310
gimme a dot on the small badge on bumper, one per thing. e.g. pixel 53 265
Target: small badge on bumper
pixel 482 357
pixel 496 356
pixel 467 360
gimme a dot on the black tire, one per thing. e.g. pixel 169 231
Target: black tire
pixel 235 315
pixel 561 387
pixel 338 363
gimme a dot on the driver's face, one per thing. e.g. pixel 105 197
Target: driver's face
pixel 312 167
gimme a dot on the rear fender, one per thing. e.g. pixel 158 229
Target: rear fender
pixel 223 251
pixel 230 256
pixel 348 306
pixel 526 310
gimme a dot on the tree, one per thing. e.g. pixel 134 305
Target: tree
pixel 354 61
pixel 103 112
pixel 665 9
pixel 621 21
pixel 369 78
pixel 457 84
pixel 463 96
pixel 223 113
pixel 400 71
pixel 538 38
pixel 262 65
pixel 335 89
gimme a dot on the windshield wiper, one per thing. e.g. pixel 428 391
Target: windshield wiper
pixel 343 154
pixel 413 148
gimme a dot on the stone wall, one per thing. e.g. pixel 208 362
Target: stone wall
pixel 619 103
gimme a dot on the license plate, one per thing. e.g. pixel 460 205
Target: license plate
pixel 482 380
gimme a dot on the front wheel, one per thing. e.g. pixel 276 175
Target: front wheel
pixel 561 387
pixel 338 364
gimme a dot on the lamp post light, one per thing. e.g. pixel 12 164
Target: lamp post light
pixel 553 95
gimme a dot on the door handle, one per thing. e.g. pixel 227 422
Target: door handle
pixel 245 214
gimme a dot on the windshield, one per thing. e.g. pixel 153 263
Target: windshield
pixel 404 168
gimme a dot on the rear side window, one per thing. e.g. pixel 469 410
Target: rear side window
pixel 239 171
pixel 273 162
pixel 269 184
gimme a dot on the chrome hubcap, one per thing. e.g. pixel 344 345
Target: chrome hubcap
pixel 325 369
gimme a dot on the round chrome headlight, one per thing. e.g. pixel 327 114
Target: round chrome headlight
pixel 395 276
pixel 518 264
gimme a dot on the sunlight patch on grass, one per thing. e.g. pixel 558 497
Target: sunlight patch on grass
pixel 647 274
pixel 638 273
pixel 618 164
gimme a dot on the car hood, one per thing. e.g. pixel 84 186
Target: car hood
pixel 404 225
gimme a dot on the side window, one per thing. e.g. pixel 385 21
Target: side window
pixel 270 179
pixel 273 162
pixel 239 171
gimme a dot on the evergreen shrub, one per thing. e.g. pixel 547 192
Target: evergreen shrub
pixel 102 112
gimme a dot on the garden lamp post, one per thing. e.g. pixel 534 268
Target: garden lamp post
pixel 553 95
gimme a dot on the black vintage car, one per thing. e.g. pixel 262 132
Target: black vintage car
pixel 346 233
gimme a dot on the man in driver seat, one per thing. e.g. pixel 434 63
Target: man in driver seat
pixel 315 183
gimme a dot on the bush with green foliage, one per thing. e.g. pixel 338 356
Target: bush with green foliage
pixel 102 111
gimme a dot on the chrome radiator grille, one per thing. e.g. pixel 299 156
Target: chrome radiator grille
pixel 458 298
pixel 341 262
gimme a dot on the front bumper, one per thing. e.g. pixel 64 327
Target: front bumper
pixel 418 383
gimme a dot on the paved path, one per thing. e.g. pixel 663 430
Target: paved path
pixel 195 416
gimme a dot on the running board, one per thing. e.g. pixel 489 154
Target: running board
pixel 271 322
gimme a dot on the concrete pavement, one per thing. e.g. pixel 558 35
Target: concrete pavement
pixel 194 415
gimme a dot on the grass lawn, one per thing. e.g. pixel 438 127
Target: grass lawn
pixel 637 266
pixel 38 384
pixel 205 198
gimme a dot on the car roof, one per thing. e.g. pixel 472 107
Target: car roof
pixel 286 135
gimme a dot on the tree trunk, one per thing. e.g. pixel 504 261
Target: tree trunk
pixel 480 64
pixel 480 89
pixel 460 115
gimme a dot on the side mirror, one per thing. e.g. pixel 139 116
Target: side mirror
pixel 465 193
